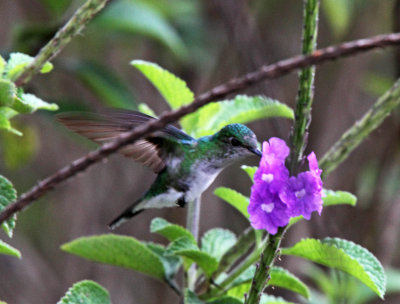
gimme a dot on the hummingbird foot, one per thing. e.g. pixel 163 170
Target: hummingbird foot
pixel 181 202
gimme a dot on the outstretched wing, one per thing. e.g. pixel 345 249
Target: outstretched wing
pixel 103 127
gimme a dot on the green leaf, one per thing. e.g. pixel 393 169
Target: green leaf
pixel 119 251
pixel 250 170
pixel 339 14
pixel 17 62
pixel 234 198
pixel 238 291
pixel 57 6
pixel 86 292
pixel 243 109
pixel 135 17
pixel 184 247
pixel 2 66
pixel 5 115
pixel 338 198
pixel 170 262
pixel 226 300
pixel 173 89
pixel 7 195
pixel 105 84
pixel 343 255
pixel 268 299
pixel 216 242
pixel 170 231
pixel 281 277
pixel 29 103
pixel 191 298
pixel 9 250
pixel 8 90
pixel 144 108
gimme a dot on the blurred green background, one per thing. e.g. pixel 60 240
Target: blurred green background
pixel 206 43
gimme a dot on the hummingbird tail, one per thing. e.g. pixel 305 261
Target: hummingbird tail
pixel 126 215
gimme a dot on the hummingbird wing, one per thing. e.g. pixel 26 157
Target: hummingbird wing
pixel 151 151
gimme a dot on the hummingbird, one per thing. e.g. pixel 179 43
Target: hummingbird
pixel 185 166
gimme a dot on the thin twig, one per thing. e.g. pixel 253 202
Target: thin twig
pixel 361 129
pixel 73 27
pixel 265 72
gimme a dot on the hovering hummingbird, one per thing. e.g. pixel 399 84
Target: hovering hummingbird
pixel 185 166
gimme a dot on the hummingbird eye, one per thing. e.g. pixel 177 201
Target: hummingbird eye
pixel 234 142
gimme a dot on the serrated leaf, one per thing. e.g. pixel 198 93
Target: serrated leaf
pixel 243 109
pixel 18 61
pixel 7 195
pixel 173 89
pixel 9 250
pixel 234 198
pixel 343 255
pixel 338 198
pixel 250 170
pixel 105 84
pixel 216 242
pixel 118 250
pixel 29 103
pixel 184 247
pixel 8 90
pixel 191 298
pixel 170 231
pixel 135 17
pixel 86 292
pixel 268 299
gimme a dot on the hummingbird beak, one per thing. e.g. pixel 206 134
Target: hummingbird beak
pixel 255 151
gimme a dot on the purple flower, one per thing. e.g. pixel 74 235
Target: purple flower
pixel 275 197
pixel 266 209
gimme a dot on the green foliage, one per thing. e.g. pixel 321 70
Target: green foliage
pixel 7 195
pixel 268 299
pixel 56 6
pixel 216 242
pixel 343 255
pixel 191 298
pixel 170 231
pixel 120 251
pixel 9 250
pixel 137 17
pixel 105 84
pixel 242 109
pixel 17 62
pixel 280 277
pixel 184 247
pixel 234 198
pixel 13 100
pixel 173 89
pixel 87 292
pixel 19 150
pixel 338 198
pixel 250 170
pixel 144 108
pixel 225 300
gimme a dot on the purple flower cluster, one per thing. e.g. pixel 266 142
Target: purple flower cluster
pixel 276 196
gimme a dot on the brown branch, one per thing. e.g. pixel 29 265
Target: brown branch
pixel 265 72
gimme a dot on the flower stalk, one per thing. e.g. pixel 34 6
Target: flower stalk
pixel 298 142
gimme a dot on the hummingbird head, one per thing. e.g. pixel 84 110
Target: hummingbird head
pixel 237 141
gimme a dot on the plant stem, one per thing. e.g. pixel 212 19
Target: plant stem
pixel 192 224
pixel 298 142
pixel 306 87
pixel 361 129
pixel 64 35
